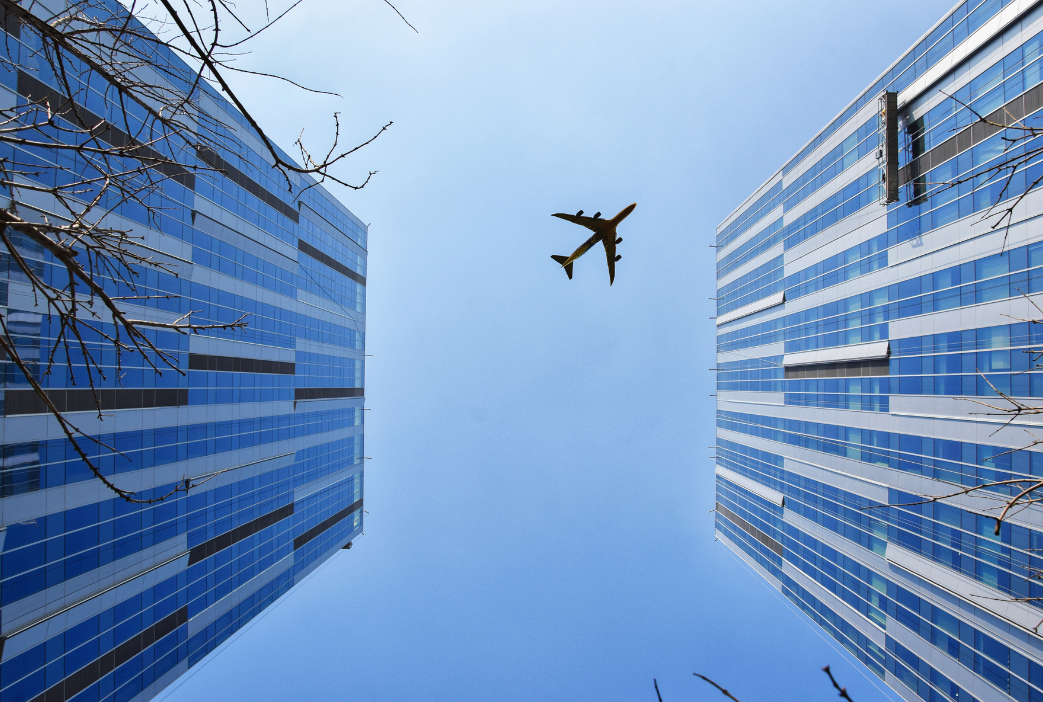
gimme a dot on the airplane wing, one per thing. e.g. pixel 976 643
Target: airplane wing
pixel 610 254
pixel 588 222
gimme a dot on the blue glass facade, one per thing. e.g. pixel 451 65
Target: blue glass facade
pixel 101 599
pixel 856 341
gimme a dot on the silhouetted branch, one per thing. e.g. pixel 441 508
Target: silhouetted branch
pixel 836 686
pixel 1022 499
pixel 723 691
pixel 84 266
pixel 1013 161
pixel 402 16
pixel 842 691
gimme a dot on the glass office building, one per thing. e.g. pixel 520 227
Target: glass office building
pixel 865 302
pixel 101 599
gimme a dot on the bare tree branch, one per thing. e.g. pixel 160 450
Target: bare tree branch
pixel 723 691
pixel 836 686
pixel 1016 157
pixel 402 16
pixel 109 131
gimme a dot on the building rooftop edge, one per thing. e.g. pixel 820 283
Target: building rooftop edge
pixel 844 109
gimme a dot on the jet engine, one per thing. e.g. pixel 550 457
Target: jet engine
pixel 619 257
pixel 580 213
pixel 619 240
pixel 596 215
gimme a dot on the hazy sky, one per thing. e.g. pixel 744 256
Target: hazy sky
pixel 541 487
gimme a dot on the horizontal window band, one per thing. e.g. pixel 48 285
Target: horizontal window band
pixel 88 598
pixel 1022 615
pixel 850 369
pixel 17 402
pixel 39 92
pixel 1025 104
pixel 100 667
pixel 974 284
pixel 220 543
pixel 214 160
pixel 237 364
pixel 327 393
pixel 312 252
pixel 753 531
pixel 326 524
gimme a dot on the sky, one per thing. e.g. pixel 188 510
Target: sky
pixel 541 481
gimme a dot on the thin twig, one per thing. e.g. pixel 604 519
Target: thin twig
pixel 836 686
pixel 86 169
pixel 402 16
pixel 723 691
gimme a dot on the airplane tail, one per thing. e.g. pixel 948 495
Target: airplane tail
pixel 568 268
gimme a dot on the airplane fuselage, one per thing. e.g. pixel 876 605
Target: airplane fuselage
pixel 586 246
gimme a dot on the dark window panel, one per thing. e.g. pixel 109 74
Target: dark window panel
pixel 326 524
pixel 84 400
pixel 333 263
pixel 235 364
pixel 327 393
pixel 219 543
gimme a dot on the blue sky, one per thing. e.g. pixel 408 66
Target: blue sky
pixel 541 487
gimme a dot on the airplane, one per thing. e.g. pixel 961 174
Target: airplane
pixel 604 231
